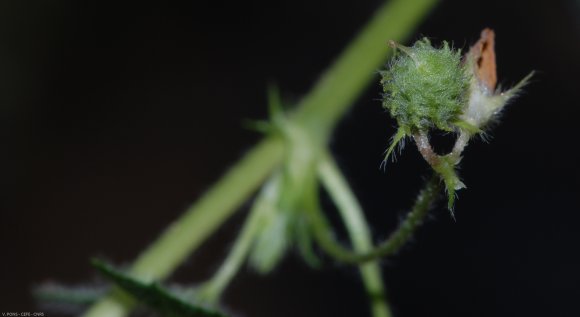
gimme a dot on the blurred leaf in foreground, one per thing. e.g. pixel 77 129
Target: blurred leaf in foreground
pixel 153 295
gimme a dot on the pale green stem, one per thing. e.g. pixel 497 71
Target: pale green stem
pixel 353 71
pixel 197 223
pixel 212 290
pixel 406 229
pixel 358 231
pixel 318 112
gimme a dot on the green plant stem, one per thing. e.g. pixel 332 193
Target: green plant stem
pixel 323 232
pixel 212 290
pixel 340 86
pixel 198 223
pixel 358 230
pixel 318 112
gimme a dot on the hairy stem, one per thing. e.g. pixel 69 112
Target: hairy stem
pixel 358 231
pixel 318 112
pixel 323 232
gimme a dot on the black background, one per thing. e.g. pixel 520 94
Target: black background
pixel 115 117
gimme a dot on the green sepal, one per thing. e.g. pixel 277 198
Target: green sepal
pixel 275 105
pixel 397 138
pixel 275 111
pixel 472 129
pixel 304 241
pixel 261 126
pixel 445 167
pixel 271 241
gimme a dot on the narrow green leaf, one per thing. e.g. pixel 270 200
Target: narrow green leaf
pixel 153 295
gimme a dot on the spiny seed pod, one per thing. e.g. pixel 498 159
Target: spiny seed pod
pixel 424 88
pixel 435 88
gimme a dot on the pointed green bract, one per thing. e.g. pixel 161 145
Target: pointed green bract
pixel 445 167
pixel 397 138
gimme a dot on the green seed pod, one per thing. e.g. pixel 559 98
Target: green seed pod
pixel 435 88
pixel 425 87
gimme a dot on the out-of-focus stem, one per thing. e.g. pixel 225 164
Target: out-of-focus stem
pixel 358 231
pixel 212 290
pixel 198 223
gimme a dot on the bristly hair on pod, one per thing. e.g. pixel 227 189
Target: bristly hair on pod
pixel 424 87
pixel 427 88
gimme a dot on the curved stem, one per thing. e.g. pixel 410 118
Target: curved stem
pixel 212 290
pixel 358 230
pixel 444 165
pixel 323 232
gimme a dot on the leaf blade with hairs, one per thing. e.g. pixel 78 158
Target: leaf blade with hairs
pixel 153 295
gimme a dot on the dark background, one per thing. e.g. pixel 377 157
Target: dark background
pixel 114 118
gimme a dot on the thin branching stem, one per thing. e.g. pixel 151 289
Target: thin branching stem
pixel 406 229
pixel 212 290
pixel 358 230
